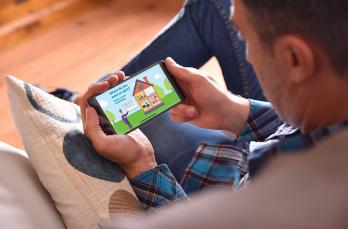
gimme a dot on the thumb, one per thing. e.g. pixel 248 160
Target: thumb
pixel 181 73
pixel 186 111
pixel 92 128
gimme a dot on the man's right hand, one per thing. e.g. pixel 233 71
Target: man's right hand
pixel 207 105
pixel 133 152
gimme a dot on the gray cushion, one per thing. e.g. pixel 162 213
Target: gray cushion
pixel 24 203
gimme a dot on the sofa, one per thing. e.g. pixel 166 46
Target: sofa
pixel 302 191
pixel 25 203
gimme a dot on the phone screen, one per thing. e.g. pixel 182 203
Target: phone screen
pixel 139 99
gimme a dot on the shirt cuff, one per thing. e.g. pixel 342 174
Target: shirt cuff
pixel 261 123
pixel 157 187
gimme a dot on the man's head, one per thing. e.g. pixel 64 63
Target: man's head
pixel 299 51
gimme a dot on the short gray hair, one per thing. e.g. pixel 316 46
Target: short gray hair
pixel 324 22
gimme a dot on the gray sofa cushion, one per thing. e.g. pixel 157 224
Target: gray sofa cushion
pixel 24 203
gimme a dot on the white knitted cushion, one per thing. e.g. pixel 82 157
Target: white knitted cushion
pixel 84 186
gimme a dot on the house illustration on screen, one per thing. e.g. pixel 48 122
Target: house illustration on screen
pixel 146 96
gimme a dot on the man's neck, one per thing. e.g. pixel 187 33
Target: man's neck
pixel 326 105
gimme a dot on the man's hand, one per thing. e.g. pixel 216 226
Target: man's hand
pixel 207 105
pixel 133 152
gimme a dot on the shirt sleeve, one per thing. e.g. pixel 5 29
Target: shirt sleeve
pixel 262 122
pixel 157 187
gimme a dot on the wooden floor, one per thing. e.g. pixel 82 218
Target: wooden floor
pixel 77 52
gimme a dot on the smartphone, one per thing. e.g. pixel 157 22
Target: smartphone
pixel 137 100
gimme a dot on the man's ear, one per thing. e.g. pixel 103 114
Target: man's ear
pixel 294 58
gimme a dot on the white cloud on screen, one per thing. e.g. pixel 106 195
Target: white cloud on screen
pixel 103 103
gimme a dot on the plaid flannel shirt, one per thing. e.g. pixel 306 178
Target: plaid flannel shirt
pixel 264 136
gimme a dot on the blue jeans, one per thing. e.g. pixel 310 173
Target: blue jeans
pixel 202 29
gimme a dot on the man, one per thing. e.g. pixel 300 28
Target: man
pixel 188 38
pixel 302 70
pixel 125 120
pixel 201 29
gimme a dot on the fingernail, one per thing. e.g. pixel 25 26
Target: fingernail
pixel 170 59
pixel 191 112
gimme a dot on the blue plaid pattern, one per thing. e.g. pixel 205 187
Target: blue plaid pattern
pixel 287 139
pixel 264 136
pixel 157 187
pixel 261 123
pixel 213 166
